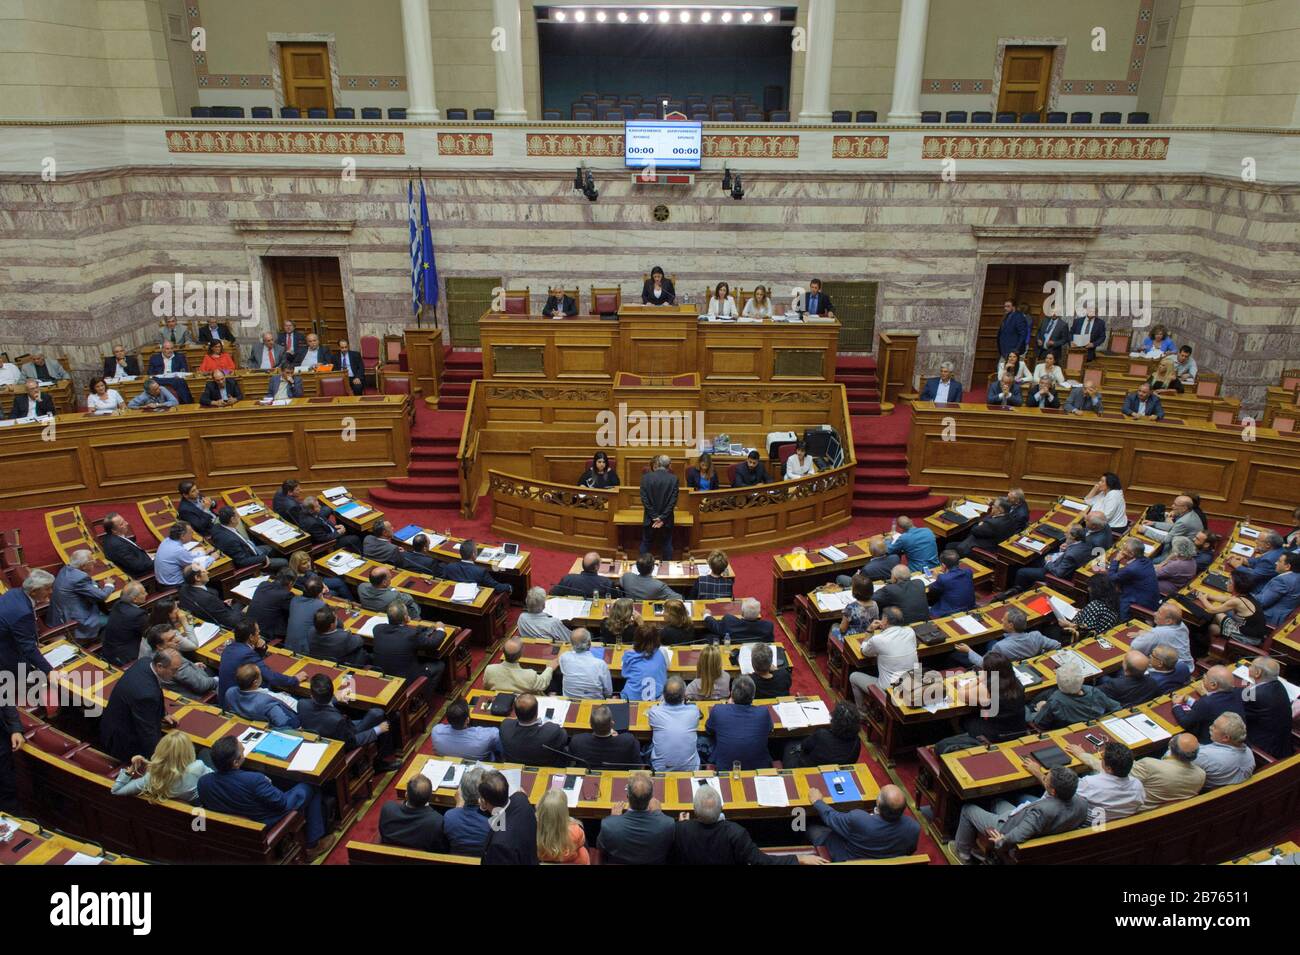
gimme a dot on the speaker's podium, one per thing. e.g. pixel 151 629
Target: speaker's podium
pixel 659 339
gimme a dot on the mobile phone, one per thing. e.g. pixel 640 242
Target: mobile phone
pixel 510 549
pixel 657 608
pixel 839 788
pixel 1094 739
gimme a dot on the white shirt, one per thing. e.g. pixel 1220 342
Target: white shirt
pixel 758 311
pixel 941 391
pixel 1023 373
pixel 1117 797
pixel 794 469
pixel 725 307
pixel 109 402
pixel 167 361
pixel 895 651
pixel 10 374
pixel 1112 505
pixel 1057 376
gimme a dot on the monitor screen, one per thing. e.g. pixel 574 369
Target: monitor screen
pixel 665 145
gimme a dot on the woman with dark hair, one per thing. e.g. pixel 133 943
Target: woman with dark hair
pixel 658 289
pixel 1158 341
pixel 703 476
pixel 1099 614
pixel 1107 496
pixel 102 399
pixel 832 745
pixel 168 612
pixel 721 303
pixel 1239 616
pixel 645 666
pixel 1001 699
pixel 677 626
pixel 600 474
pixel 1019 370
pixel 217 359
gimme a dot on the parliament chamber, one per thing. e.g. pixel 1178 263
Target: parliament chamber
pixel 681 434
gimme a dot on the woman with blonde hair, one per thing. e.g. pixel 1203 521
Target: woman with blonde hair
pixel 173 772
pixel 677 626
pixel 759 304
pixel 711 681
pixel 620 623
pixel 559 838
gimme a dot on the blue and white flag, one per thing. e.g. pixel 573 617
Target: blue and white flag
pixel 416 247
pixel 428 270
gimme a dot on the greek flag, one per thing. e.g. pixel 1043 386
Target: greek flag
pixel 424 273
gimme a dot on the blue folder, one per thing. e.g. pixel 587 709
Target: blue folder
pixel 847 784
pixel 408 532
pixel 278 745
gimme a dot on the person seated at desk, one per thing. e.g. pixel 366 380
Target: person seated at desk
pixel 509 677
pixel 170 364
pixel 412 823
pixel 248 647
pixel 604 747
pixel 749 627
pixel 558 304
pixel 513 838
pixel 252 795
pixel 466 570
pixel 1005 392
pixel 1049 367
pixel 173 772
pixel 989 531
pixel 248 699
pixel 1018 369
pixel 321 714
pixel 918 544
pixel 221 391
pixel 352 366
pixel 904 592
pixel 585 675
pixel 832 745
pixel 641 583
pixel 1226 758
pixel 1163 376
pixel 703 476
pixel 329 641
pixel 711 681
pixel 217 359
pixel 714 585
pixel 1207 548
pixel 658 290
pixel 1107 496
pixel 377 592
pixel 420 558
pixel 1060 809
pixel 1085 397
pixel 287 383
pixel 759 304
pixel 942 390
pixel 587 582
pixel 884 833
pixel 314 356
pixel 721 304
pixel 645 665
pixel 466 826
pixel 600 474
pixel 1090 328
pixel 173 557
pixel 1169 631
pixel 739 730
pixel 291 341
pixel 1075 554
pixel 461 739
pixel 1134 575
pixel 380 546
pixel 800 464
pixel 1219 694
pixel 125 627
pixel 1279 596
pixel 10 374
pixel 1053 337
pixel 621 621
pixel 155 397
pixel 1043 395
pixel 526 739
pixel 1175 777
pixel 769 681
pixel 861 612
pixel 879 567
pixel 1073 701
pixel 1109 787
pixel 270 604
pixel 1157 343
pixel 195 509
pixel 214 331
pixel 637 832
pixel 752 472
pixel 953 590
pixel 1170 673
pixel 174 334
pixel 231 539
pixel 266 355
pixel 1178 570
pixel 817 302
pixel 536 622
pixel 1185 366
pixel 1016 642
pixel 302 612
pixel 398 646
pixel 77 598
pixel 704 837
pixel 33 404
pixel 120 364
pixel 45 369
pixel 315 523
pixel 102 399
pixel 561 839
pixel 1261 566
pixel 1268 710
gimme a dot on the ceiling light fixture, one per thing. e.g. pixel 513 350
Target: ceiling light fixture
pixel 663 16
pixel 580 16
pixel 600 16
pixel 746 16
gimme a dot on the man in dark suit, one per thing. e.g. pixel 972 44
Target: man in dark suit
pixel 747 628
pixel 119 547
pixel 1053 337
pixel 168 362
pixel 944 389
pixel 195 509
pixel 1131 685
pixel 316 524
pixel 557 301
pixel 413 823
pixel 751 472
pixel 379 546
pixel 194 596
pixel 708 839
pixel 292 342
pixel 1018 509
pixel 1135 576
pixel 992 529
pixel 252 795
pixel 120 364
pixel 604 747
pixel 221 391
pixel 132 720
pixel 329 641
pixel 421 559
pixel 1074 555
pixel 18 623
pixel 512 840
pixel 879 567
pixel 353 368
pixel 314 354
pixel 526 739
pixel 1143 403
pixel 228 534
pixel 1092 326
pixel 953 590
pixel 906 593
pixel 586 583
pixel 248 647
pixel 11 740
pixel 213 331
pixel 398 647
pixel 33 404
pixel 637 833
pixel 126 625
pixel 658 503
pixel 1004 392
pixel 739 730
pixel 287 501
pixel 1268 710
pixel 269 608
pixel 1099 534
pixel 1220 696
pixel 817 302
pixel 321 714
pixel 466 570
pixel 1013 333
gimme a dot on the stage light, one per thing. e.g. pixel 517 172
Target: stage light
pixel 706 17
pixel 580 16
pixel 559 15
pixel 622 16
pixel 767 17
pixel 589 188
pixel 737 190
pixel 663 16
pixel 600 16
pixel 726 17
pixel 746 16
pixel 726 179
pixel 684 16
pixel 643 16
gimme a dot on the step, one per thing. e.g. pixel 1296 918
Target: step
pixel 900 492
pixel 854 362
pixel 457 384
pixel 441 467
pixel 864 407
pixel 453 403
pixel 857 380
pixel 888 507
pixel 441 452
pixel 873 475
pixel 422 500
pixel 862 394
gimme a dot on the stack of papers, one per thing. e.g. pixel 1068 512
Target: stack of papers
pixel 552 709
pixel 342 562
pixel 1243 550
pixel 1031 544
pixel 969 624
pixel 60 655
pixel 308 757
pixel 80 858
pixel 833 553
pixel 1135 729
pixel 465 593
pixel 442 774
pixel 515 777
pixel 1248 532
pixel 191 546
pixel 971 509
pixel 770 791
pixel 252 508
pixel 568 608
pixel 570 785
pixel 791 715
pixel 352 509
pixel 246 586
pixel 699 782
pixel 1062 609
pixel 1073 504
pixel 511 561
pixel 335 492
pixel 276 530
pixel 1086 666
pixel 367 629
pixel 205 631
pixel 831 601
pixel 816 713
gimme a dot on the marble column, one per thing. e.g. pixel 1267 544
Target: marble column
pixel 417 41
pixel 909 63
pixel 817 62
pixel 509 61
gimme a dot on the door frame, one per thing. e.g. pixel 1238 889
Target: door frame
pixel 273 41
pixel 1053 83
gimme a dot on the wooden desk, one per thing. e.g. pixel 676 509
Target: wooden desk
pixel 69 533
pixel 539 654
pixel 678 574
pixel 141 454
pixel 254 512
pixel 798 573
pixel 32 845
pixel 62 393
pixel 253 383
pixel 601 791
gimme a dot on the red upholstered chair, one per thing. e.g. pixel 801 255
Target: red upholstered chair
pixel 1093 375
pixel 1284 425
pixel 1074 362
pixel 1223 417
pixel 731 474
pixel 394 355
pixel 783 453
pixel 334 386
pixel 1119 342
pixel 606 301
pixel 517 301
pixel 1137 369
pixel 396 384
pixel 1290 382
pixel 1207 389
pixel 370 354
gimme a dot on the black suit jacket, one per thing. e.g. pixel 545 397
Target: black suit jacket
pixel 354 358
pixel 565 304
pixel 719 843
pixel 658 495
pixel 535 744
pixel 132 721
pixel 879 568
pixel 467 572
pixel 824 305
pixel 339 646
pixel 211 393
pixel 583 585
pixel 205 604
pixel 270 608
pixel 199 518
pixel 647 293
pixel 223 333
pixel 299 343
pixel 1069 560
pixel 401 825
pixel 318 529
pixel 515 842
pixel 127 555
pixel 1268 720
pixel 992 531
pixel 328 720
pixel 396 649
pixel 287 506
pixel 742 630
pixel 21 405
pixel 240 551
pixel 909 597
pixel 132 366
pixel 121 635
pixel 606 752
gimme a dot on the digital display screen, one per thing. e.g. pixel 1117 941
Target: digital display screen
pixel 664 145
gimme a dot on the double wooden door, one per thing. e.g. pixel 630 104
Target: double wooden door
pixel 1020 284
pixel 305 71
pixel 309 292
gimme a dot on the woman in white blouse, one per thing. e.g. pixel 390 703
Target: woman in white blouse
pixel 1051 369
pixel 800 464
pixel 759 305
pixel 103 399
pixel 1023 374
pixel 1107 496
pixel 722 303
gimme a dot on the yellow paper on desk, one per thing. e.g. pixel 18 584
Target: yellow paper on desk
pixel 798 562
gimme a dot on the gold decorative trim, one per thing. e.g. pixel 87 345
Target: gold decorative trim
pixel 767 496
pixel 860 147
pixel 574 144
pixel 301 142
pixel 528 491
pixel 464 144
pixel 751 147
pixel 1076 148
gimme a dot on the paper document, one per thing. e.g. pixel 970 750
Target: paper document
pixel 308 757
pixel 1243 550
pixel 816 713
pixel 342 562
pixel 791 715
pixel 246 587
pixel 1073 504
pixel 834 601
pixel 970 624
pixel 770 791
pixel 511 561
pixel 552 709
pixel 1031 544
pixel 703 570
pixel 367 629
pixel 1086 666
pixel 245 509
pixel 1080 341
pixel 442 774
pixel 1149 549
pixel 339 491
pixel 465 593
pixel 1245 530
pixel 571 786
pixel 60 655
pixel 80 858
pixel 971 509
pixel 699 782
pixel 833 553
pixel 205 631
pixel 1122 731
pixel 515 777
pixel 1062 609
pixel 1148 727
pixel 1156 534
pixel 568 608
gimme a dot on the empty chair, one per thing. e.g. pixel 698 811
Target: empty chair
pixel 779 116
pixel 457 113
pixel 345 112
pixel 865 116
pixel 1081 117
pixel 929 116
pixel 981 116
pixel 724 116
pixel 290 112
pixel 1139 117
pixel 608 112
pixel 751 116
pixel 317 112
pixel 1110 117
pixel 262 112
pixel 841 116
pixel 629 110
pixel 397 112
pixel 485 113
pixel 1056 116
pixel 582 113
pixel 201 111
pixel 1030 118
pixel 237 112
pixel 552 114
pixel 652 114
pixel 955 116
pixel 1006 117
pixel 371 112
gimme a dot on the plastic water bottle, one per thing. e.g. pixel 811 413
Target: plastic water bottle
pixel 893 527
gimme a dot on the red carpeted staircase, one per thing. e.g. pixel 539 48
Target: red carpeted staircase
pixel 880 483
pixel 857 373
pixel 459 369
pixel 432 479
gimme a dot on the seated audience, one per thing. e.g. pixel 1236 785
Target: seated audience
pixel 1143 403
pixel 711 681
pixel 1073 701
pixel 1268 710
pixel 1107 496
pixel 990 530
pixel 894 648
pixel 248 647
pixel 32 404
pixel 189 678
pixel 302 614
pixel 240 792
pixel 1175 777
pixel 317 524
pixel 270 604
pixel 1238 616
pixel 1099 614
pixel 559 304
pixel 1004 392
pixel 1177 571
pixel 1060 809
pixel 721 303
pixel 197 598
pixel 703 476
pixel 321 714
pixel 604 747
pixel 560 839
pixel 536 622
pixel 466 570
pixel 861 612
pixel 249 699
pixel 1225 758
pixel 1218 694
pixel 230 537
pixel 1110 789
pixel 800 464
pixel 1017 643
pixel 769 682
pixel 172 773
pixel 600 474
pixel 1075 554
pixel 677 626
pixel 1157 343
pixel 883 833
pixel 117 366
pixel 645 665
pixel 217 359
pixel 511 840
pixel 351 365
pixel 1170 630
pixel 704 837
pixel 636 832
pixel 905 592
pixel 1001 696
pixel 400 649
pixel 509 677
pixel 126 624
pixel 1278 597
pixel 526 739
pixel 101 399
pixel 739 731
pixel 466 826
pixel 584 674
pixel 214 331
pixel 953 590
pixel 329 641
pixel 412 822
pixel 833 745
pixel 285 384
pixel 1134 575
pixel 751 472
pixel 1019 370
pixel 917 544
pixel 120 547
pixel 1043 394
pixel 76 598
pixel 674 725
pixel 942 390
pixel 587 583
pixel 1168 672
pixel 1085 397
pixel 377 592
pixel 759 304
pixel 460 738
pixel 1131 685
pixel 747 628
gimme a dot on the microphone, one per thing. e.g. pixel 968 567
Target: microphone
pixel 587 763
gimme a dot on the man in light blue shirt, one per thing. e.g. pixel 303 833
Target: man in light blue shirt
pixel 457 738
pixel 917 543
pixel 1016 643
pixel 675 727
pixel 172 558
pixel 153 397
pixel 1170 631
pixel 586 677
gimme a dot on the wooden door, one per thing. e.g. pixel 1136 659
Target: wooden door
pixel 1021 284
pixel 305 68
pixel 1026 79
pixel 309 292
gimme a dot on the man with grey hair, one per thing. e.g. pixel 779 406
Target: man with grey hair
pixel 1060 809
pixel 1016 644
pixel 1268 709
pixel 674 726
pixel 126 625
pixel 942 390
pixel 1262 565
pixel 536 622
pixel 1071 702
pixel 894 648
pixel 879 567
pixel 585 675
pixel 857 834
pixel 1173 778
pixel 1169 630
pixel 466 827
pixel 18 624
pixel 1134 574
pixel 703 837
pixel 379 545
pixel 995 527
pixel 658 503
pixel 1100 537
pixel 1218 694
pixel 77 598
pixel 636 831
pixel 906 593
pixel 1226 758
pixel 509 677
pixel 1185 523
pixel 1018 509
pixel 747 628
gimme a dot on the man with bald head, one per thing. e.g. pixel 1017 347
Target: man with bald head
pixel 1218 695
pixel 1099 533
pixel 1174 778
pixel 220 391
pixel 1170 630
pixel 1131 685
pixel 509 677
pixel 586 583
pixel 1184 522
pixel 1170 673
pixel 126 624
pixel 884 833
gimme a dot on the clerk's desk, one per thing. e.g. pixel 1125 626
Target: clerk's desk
pixel 657 340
